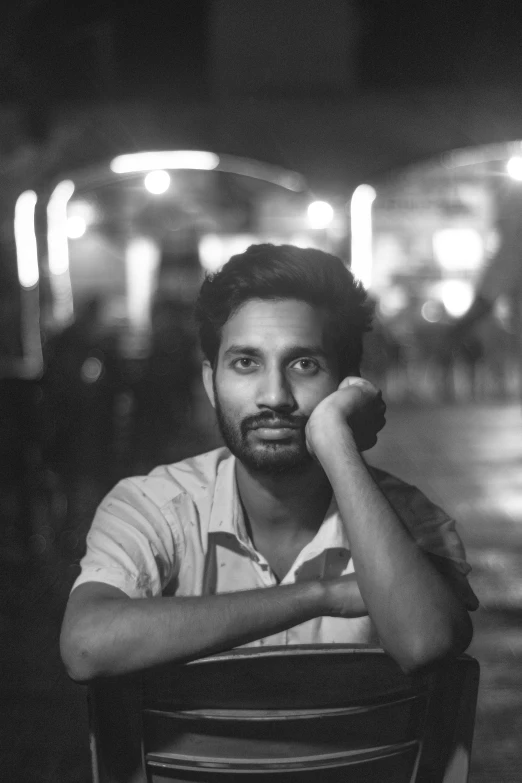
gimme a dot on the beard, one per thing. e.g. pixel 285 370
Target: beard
pixel 273 458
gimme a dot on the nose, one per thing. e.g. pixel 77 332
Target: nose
pixel 275 392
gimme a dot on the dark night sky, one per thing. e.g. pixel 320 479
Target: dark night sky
pixel 411 42
pixel 156 47
pixel 160 47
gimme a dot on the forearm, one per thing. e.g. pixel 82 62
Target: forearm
pixel 121 635
pixel 416 614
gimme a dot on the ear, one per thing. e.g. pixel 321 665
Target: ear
pixel 208 381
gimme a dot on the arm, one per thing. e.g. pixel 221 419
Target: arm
pixel 417 615
pixel 106 633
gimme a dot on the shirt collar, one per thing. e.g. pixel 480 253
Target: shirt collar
pixel 331 535
pixel 226 515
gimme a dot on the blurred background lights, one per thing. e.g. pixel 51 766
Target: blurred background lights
pixel 215 250
pixel 431 311
pixel 362 236
pixel 25 239
pixel 392 301
pixel 57 227
pixel 175 159
pixel 456 296
pixel 76 227
pixel 142 258
pixel 58 251
pixel 320 214
pixel 80 207
pixel 92 369
pixel 514 167
pixel 502 310
pixel 458 248
pixel 157 182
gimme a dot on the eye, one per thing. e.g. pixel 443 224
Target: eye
pixel 306 366
pixel 243 363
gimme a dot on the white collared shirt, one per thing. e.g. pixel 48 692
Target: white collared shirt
pixel 180 531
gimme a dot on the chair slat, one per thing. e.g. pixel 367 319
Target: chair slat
pixel 390 767
pixel 275 680
pixel 330 713
pixel 297 736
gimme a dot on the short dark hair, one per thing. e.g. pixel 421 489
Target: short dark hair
pixel 287 272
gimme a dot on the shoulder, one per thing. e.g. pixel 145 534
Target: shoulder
pixel 432 527
pixel 408 501
pixel 190 478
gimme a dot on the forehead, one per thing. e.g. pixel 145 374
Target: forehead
pixel 272 323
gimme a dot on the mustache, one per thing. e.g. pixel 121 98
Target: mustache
pixel 274 420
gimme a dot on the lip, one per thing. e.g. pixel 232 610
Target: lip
pixel 271 432
pixel 274 424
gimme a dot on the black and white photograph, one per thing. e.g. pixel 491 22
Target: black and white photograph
pixel 260 391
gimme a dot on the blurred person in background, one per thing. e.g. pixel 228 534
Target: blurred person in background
pixel 286 535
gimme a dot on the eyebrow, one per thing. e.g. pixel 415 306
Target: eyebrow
pixel 291 352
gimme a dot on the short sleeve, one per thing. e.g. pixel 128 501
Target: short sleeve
pixel 131 545
pixel 433 530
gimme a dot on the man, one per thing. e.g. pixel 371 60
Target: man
pixel 286 536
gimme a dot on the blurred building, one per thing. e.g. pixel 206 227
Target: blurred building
pixel 312 87
pixel 147 226
pixel 436 229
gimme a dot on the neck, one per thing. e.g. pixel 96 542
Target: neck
pixel 286 506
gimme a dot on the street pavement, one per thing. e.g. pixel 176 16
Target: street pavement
pixel 467 458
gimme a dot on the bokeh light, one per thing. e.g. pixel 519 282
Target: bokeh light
pixel 320 214
pixel 392 301
pixel 157 182
pixel 25 239
pixel 514 167
pixel 174 159
pixel 458 248
pixel 76 227
pixel 362 233
pixel 456 296
pixel 92 369
pixel 431 311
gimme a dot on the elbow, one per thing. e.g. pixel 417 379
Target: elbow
pixel 438 647
pixel 78 657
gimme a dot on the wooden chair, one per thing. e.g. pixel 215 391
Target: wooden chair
pixel 321 713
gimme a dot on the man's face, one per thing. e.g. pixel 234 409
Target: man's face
pixel 272 369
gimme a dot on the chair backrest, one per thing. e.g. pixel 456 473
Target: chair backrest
pixel 286 714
